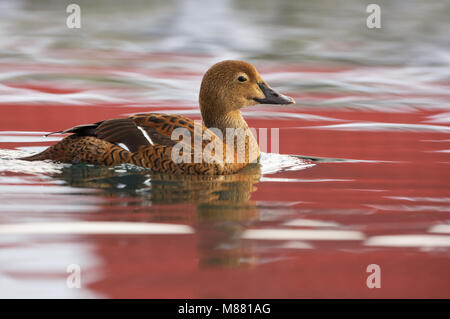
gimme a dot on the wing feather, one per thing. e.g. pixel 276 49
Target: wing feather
pixel 143 130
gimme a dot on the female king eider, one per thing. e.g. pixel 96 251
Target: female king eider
pixel 147 140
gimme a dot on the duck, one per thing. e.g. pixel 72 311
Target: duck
pixel 168 143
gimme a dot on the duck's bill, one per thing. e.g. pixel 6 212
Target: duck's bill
pixel 272 96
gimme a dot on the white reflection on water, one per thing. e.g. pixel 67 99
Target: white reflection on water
pixel 27 139
pixel 95 228
pixel 436 141
pixel 445 229
pixel 313 31
pixel 404 65
pixel 249 113
pixel 439 118
pixel 300 222
pixel 303 180
pixel 411 208
pixel 421 199
pixel 9 163
pixel 39 189
pixel 410 240
pixel 376 126
pixel 46 198
pixel 34 269
pixel 272 163
pixel 296 244
pixel 302 234
pixel 14 95
pixel 286 115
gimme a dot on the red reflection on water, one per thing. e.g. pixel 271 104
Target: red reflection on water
pixel 362 198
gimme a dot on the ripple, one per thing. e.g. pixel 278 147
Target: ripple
pixel 340 160
pixel 94 228
pixel 445 229
pixel 296 244
pixel 9 162
pixel 411 208
pixel 439 118
pixel 421 199
pixel 303 180
pixel 38 270
pixel 302 234
pixel 27 139
pixel 375 126
pixel 272 163
pixel 261 114
pixel 409 241
pixel 300 222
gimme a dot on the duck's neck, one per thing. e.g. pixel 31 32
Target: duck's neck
pixel 231 119
pixel 235 120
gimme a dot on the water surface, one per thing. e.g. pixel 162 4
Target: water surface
pixel 362 177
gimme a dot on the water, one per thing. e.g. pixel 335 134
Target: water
pixel 362 177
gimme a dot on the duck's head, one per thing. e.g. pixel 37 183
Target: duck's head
pixel 230 85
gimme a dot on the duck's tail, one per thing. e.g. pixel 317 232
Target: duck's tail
pixel 83 149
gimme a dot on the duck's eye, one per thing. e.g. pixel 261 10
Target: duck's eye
pixel 242 78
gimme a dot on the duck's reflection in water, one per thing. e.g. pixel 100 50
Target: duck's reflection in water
pixel 223 204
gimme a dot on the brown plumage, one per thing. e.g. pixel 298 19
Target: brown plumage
pixel 151 140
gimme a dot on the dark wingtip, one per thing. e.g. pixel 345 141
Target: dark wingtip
pixel 48 134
